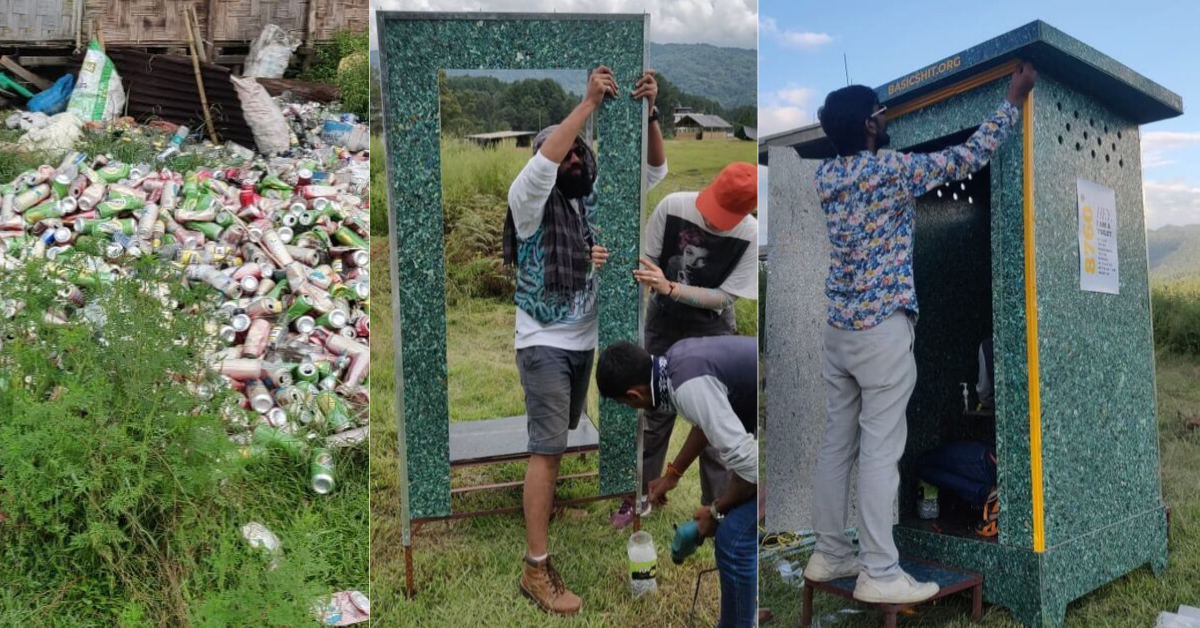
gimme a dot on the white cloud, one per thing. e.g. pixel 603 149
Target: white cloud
pixel 803 40
pixel 1174 202
pixel 1157 144
pixel 716 22
pixel 785 109
pixel 798 96
pixel 777 119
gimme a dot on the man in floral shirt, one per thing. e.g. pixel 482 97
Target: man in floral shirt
pixel 868 195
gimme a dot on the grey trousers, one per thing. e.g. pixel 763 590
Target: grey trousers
pixel 660 335
pixel 869 377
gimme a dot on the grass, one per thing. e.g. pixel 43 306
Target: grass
pixel 198 570
pixel 467 571
pixel 1129 602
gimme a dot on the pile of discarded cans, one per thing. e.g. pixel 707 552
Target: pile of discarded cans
pixel 283 239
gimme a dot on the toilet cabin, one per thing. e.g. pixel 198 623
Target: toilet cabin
pixel 1044 251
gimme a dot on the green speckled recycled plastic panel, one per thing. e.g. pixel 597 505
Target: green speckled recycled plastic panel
pixel 1097 352
pixel 1037 588
pixel 1102 502
pixel 413 48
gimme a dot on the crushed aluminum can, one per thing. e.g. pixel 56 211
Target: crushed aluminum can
pixel 344 608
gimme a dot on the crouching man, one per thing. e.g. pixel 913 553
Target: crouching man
pixel 713 384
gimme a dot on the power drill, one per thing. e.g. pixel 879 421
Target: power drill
pixel 687 539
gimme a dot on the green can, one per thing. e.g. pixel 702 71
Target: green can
pixel 337 417
pixel 299 307
pixel 211 230
pixel 272 438
pixel 306 372
pixel 322 471
pixel 61 184
pixel 114 172
pixel 347 237
pixel 118 205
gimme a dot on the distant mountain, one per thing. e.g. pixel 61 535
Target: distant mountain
pixel 1174 253
pixel 726 75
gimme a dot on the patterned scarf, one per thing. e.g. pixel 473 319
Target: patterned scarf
pixel 564 237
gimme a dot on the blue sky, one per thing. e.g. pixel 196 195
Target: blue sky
pixel 801 46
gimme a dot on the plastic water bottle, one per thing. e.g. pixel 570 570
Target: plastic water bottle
pixel 643 564
pixel 927 505
pixel 176 144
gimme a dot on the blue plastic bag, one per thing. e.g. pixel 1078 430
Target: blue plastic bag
pixel 54 100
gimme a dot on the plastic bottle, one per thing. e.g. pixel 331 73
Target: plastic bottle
pixel 176 144
pixel 643 564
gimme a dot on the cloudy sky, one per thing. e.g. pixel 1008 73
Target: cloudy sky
pixel 716 22
pixel 801 60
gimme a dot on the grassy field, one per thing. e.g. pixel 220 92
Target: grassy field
pixel 1130 602
pixel 467 571
pixel 193 566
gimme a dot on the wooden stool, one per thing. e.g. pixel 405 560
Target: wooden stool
pixel 950 579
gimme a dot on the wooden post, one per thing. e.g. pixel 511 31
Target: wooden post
pixel 212 130
pixel 807 610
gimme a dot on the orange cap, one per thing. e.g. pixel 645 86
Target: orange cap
pixel 730 197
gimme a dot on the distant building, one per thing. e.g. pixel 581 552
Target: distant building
pixel 700 126
pixel 522 139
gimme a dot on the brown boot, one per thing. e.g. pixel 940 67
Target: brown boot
pixel 542 584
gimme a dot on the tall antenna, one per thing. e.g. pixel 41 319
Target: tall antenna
pixel 846 65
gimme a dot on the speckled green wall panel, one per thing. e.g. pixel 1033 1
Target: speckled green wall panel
pixel 1037 588
pixel 413 48
pixel 1099 435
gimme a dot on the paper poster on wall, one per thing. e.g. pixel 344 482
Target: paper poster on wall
pixel 1098 267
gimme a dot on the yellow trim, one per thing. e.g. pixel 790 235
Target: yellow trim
pixel 1031 334
pixel 964 85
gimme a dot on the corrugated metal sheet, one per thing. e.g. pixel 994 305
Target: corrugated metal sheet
pixel 164 86
pixel 702 120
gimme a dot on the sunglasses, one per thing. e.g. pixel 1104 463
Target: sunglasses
pixel 881 110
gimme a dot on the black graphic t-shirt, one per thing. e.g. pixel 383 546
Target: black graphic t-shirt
pixel 691 254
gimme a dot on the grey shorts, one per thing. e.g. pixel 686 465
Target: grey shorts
pixel 556 385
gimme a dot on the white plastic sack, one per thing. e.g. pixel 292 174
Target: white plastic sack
pixel 26 120
pixel 98 93
pixel 58 136
pixel 263 116
pixel 270 53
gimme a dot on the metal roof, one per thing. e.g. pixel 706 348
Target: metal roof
pixel 705 120
pixel 500 135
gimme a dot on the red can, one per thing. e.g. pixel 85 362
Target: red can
pixel 247 194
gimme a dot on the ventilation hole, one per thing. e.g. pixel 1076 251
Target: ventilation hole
pixel 939 194
pixel 1118 135
pixel 969 176
pixel 1076 115
pixel 1059 105
pixel 1121 163
pixel 962 186
pixel 956 196
pixel 1106 128
pixel 1068 127
pixel 1060 139
pixel 1085 135
pixel 1092 121
pixel 971 200
pixel 1106 159
pixel 1114 146
pixel 1093 154
pixel 1078 146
